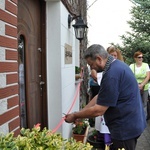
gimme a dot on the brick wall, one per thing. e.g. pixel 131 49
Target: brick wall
pixel 9 99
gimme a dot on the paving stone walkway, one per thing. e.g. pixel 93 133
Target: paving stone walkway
pixel 144 140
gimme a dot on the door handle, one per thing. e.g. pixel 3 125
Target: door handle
pixel 41 86
pixel 42 82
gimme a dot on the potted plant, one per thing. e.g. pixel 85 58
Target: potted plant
pixel 36 139
pixel 77 73
pixel 80 130
pixel 96 139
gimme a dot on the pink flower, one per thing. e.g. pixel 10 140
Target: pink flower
pixel 37 125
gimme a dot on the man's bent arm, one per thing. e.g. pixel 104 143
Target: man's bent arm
pixel 94 111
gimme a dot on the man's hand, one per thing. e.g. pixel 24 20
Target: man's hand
pixel 69 118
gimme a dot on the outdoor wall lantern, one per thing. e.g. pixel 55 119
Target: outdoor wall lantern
pixel 79 27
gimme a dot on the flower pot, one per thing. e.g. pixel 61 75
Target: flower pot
pixel 81 137
pixel 96 143
pixel 77 76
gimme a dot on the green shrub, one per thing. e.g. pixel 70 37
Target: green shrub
pixel 35 139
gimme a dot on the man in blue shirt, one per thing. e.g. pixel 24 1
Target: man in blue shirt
pixel 118 99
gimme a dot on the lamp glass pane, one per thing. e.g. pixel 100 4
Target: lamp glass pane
pixel 79 32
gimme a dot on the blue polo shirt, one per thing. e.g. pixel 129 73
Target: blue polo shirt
pixel 119 90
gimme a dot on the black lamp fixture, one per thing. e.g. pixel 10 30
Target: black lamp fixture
pixel 79 27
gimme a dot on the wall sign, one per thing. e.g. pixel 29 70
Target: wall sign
pixel 68 54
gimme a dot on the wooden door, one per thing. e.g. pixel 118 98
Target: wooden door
pixel 31 27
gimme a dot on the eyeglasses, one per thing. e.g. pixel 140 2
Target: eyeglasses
pixel 140 57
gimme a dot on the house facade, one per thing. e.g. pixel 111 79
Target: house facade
pixel 38 55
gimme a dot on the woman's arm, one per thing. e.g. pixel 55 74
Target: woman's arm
pixel 145 80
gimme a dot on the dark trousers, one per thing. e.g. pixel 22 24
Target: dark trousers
pixel 148 108
pixel 127 144
pixel 93 92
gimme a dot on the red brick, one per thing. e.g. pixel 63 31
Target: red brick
pixel 11 55
pixel 13 102
pixel 6 17
pixel 17 132
pixel 8 91
pixel 11 78
pixel 8 42
pixel 14 124
pixel 11 7
pixel 15 1
pixel 8 67
pixel 10 31
pixel 5 117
